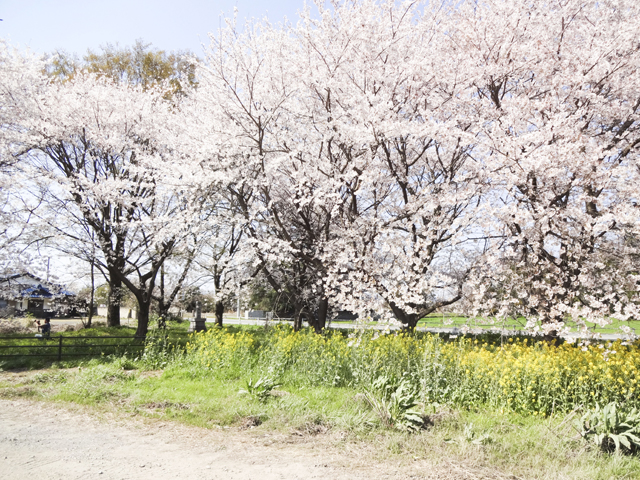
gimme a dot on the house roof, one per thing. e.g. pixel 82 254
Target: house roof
pixel 37 291
pixel 26 285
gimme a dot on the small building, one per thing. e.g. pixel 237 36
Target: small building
pixel 23 293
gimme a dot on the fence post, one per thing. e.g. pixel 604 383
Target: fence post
pixel 60 348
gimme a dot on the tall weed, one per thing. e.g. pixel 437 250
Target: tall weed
pixel 519 376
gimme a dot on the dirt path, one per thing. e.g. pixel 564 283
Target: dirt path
pixel 47 442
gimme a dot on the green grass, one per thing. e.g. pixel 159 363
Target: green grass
pixel 76 343
pixel 168 384
pixel 451 320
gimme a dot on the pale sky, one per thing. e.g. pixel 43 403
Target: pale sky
pixel 76 25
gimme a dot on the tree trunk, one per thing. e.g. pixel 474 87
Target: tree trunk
pixel 162 310
pixel 91 298
pixel 163 314
pixel 143 318
pixel 219 312
pixel 412 321
pixel 113 307
pixel 321 322
pixel 551 337
pixel 144 295
pixel 297 320
pixel 408 320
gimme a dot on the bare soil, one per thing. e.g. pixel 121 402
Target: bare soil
pixel 50 441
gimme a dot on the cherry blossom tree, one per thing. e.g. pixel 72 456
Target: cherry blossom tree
pixel 102 153
pixel 20 83
pixel 559 88
pixel 248 93
pixel 410 208
pixel 223 260
pixel 339 145
pixel 378 140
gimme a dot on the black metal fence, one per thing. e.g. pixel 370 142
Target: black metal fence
pixel 59 346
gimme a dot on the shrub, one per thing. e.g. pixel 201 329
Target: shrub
pixel 396 405
pixel 260 389
pixel 612 428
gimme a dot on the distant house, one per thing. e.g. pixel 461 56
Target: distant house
pixel 23 293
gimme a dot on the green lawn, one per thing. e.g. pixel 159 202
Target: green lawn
pixel 451 320
pixel 78 345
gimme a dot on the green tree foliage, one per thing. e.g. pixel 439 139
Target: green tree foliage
pixel 188 297
pixel 62 65
pixel 101 296
pixel 263 297
pixel 139 64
